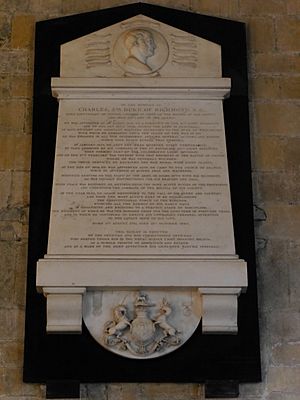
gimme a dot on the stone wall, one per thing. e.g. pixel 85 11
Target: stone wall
pixel 273 31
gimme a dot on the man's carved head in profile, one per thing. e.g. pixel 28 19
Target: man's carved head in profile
pixel 140 45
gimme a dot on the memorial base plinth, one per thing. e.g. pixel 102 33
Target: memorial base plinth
pixel 65 280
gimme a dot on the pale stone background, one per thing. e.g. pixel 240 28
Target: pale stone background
pixel 273 31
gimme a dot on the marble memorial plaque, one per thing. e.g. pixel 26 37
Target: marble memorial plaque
pixel 141 206
pixel 141 177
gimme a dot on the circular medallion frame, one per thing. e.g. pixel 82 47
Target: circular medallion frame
pixel 141 51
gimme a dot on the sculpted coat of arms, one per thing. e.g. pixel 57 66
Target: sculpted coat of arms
pixel 141 334
pixel 141 325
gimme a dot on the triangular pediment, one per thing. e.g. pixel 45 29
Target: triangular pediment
pixel 140 46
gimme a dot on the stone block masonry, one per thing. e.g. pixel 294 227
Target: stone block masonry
pixel 273 28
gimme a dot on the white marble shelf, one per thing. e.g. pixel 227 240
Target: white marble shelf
pixel 106 273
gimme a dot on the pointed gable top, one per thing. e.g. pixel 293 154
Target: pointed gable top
pixel 140 46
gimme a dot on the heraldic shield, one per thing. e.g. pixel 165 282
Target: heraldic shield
pixel 142 325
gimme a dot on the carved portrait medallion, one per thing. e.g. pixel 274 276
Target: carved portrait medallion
pixel 141 51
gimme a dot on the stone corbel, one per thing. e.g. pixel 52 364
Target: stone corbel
pixel 219 310
pixel 64 309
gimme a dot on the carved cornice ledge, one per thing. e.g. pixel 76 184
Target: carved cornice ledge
pixel 142 88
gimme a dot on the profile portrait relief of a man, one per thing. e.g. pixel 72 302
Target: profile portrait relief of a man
pixel 140 45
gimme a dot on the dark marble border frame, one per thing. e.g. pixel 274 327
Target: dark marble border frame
pixel 204 357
